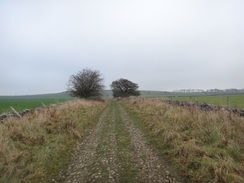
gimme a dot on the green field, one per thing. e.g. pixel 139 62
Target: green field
pixel 20 105
pixel 236 101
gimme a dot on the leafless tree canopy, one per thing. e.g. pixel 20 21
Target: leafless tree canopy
pixel 86 84
pixel 124 88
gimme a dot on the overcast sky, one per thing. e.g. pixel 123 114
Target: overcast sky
pixel 159 44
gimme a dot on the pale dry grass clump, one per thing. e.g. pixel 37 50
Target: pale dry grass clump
pixel 208 145
pixel 31 147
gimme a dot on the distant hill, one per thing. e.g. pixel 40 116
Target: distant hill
pixel 107 94
pixel 52 96
pixel 147 93
pixel 64 95
pixel 144 93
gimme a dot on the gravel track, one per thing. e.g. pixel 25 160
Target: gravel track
pixel 116 151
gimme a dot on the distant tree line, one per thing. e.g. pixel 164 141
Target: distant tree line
pixel 212 91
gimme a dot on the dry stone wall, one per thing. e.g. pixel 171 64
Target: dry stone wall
pixel 206 107
pixel 22 113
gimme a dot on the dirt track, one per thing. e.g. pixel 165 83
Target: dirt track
pixel 116 151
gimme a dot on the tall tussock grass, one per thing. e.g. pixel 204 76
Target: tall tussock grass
pixel 207 146
pixel 34 147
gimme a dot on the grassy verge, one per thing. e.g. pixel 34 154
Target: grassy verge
pixel 35 147
pixel 207 146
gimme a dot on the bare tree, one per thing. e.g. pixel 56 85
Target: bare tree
pixel 86 84
pixel 124 88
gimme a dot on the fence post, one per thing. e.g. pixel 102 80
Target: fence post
pixel 15 112
pixel 44 105
pixel 228 103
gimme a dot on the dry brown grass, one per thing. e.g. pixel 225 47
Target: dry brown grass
pixel 208 146
pixel 31 147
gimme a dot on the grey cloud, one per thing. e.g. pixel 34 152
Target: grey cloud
pixel 161 45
